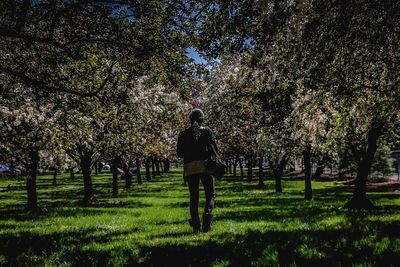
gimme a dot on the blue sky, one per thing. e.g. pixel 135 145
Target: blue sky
pixel 192 53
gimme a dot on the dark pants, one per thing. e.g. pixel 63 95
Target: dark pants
pixel 208 183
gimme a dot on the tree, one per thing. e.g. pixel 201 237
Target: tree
pixel 356 64
pixel 342 53
pixel 232 111
pixel 43 39
pixel 27 128
pixel 80 55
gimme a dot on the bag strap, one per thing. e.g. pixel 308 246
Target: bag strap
pixel 215 151
pixel 212 147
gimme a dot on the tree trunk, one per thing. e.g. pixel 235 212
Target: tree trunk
pixel 115 177
pixel 55 176
pixel 292 166
pixel 184 178
pixel 138 174
pixel 260 172
pixel 162 167
pixel 318 172
pixel 72 174
pixel 307 172
pixel 341 174
pixel 12 171
pixel 249 170
pixel 86 162
pixel 230 166
pixel 148 169
pixel 157 165
pixel 277 166
pixel 166 165
pixel 100 167
pixel 128 179
pixel 359 199
pixel 32 204
pixel 241 169
pixel 96 168
pixel 128 175
pixel 234 167
pixel 278 180
pixel 153 171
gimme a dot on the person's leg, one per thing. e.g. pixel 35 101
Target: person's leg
pixel 193 182
pixel 208 183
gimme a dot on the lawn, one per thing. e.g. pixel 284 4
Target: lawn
pixel 147 226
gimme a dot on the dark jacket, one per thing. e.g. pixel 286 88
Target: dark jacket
pixel 190 150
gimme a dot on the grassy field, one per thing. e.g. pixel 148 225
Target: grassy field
pixel 147 226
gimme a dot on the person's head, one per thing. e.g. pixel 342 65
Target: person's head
pixel 196 115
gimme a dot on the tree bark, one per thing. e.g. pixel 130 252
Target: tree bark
pixel 318 172
pixel 72 174
pixel 127 174
pixel 277 166
pixel 167 165
pixel 86 162
pixel 162 167
pixel 55 176
pixel 260 172
pixel 128 179
pixel 115 177
pixel 32 204
pixel 359 199
pixel 12 171
pixel 138 174
pixel 157 165
pixel 278 180
pixel 249 170
pixel 96 168
pixel 100 166
pixel 153 171
pixel 148 178
pixel 292 166
pixel 234 167
pixel 307 173
pixel 241 169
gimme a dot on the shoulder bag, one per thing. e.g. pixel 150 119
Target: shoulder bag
pixel 215 167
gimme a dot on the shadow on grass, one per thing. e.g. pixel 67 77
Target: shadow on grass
pixel 51 209
pixel 69 242
pixel 357 240
pixel 342 247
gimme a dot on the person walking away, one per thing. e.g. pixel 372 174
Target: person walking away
pixel 194 146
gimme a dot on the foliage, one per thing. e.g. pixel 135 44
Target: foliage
pixel 339 61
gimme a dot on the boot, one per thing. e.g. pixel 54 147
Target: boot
pixel 196 226
pixel 207 218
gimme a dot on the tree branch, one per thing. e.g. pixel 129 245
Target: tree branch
pixel 5 32
pixel 28 81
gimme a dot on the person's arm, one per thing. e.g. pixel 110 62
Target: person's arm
pixel 212 141
pixel 179 147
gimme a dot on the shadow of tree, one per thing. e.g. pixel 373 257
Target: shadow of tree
pixel 275 248
pixel 72 241
pixel 359 239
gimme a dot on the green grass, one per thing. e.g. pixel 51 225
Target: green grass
pixel 147 226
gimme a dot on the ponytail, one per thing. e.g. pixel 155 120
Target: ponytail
pixel 196 131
